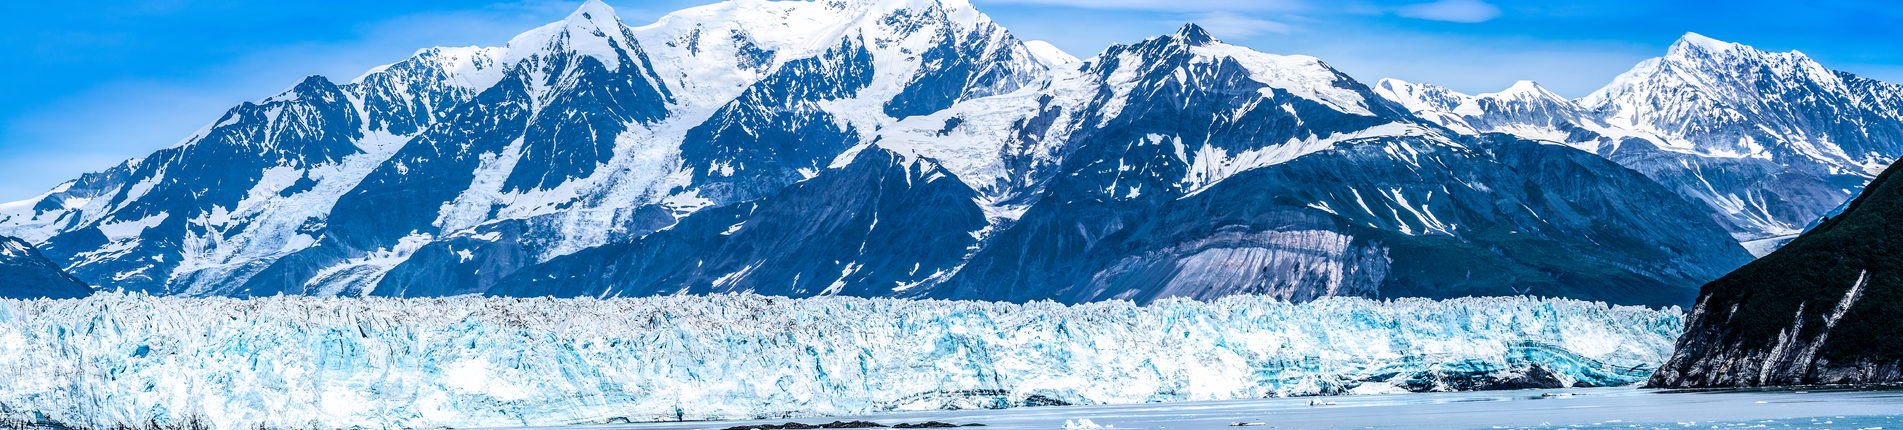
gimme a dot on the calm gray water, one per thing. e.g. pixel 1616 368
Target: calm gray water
pixel 1618 407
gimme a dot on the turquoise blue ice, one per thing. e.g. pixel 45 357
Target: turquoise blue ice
pixel 466 362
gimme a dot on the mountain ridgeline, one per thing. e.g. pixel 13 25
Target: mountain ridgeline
pixel 916 149
pixel 24 273
pixel 1767 141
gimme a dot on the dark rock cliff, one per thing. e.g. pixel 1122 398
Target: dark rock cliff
pixel 1825 309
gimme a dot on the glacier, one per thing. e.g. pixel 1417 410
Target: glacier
pixel 329 362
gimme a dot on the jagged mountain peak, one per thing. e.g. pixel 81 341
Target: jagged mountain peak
pixel 1161 57
pixel 1419 97
pixel 1425 98
pixel 1725 72
pixel 701 44
pixel 1768 140
pixel 1524 109
pixel 1392 84
pixel 592 9
pixel 593 18
pixel 462 66
pixel 815 26
pixel 914 5
pixel 592 30
pixel 1694 47
pixel 1525 89
pixel 1736 101
pixel 310 86
pixel 1189 35
pixel 1194 35
pixel 592 15
pixel 1694 42
pixel 1049 54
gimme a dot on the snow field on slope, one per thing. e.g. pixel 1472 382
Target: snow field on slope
pixel 297 361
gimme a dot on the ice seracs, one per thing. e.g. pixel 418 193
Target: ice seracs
pixel 292 361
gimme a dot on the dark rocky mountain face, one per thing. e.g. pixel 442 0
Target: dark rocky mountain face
pixel 1411 213
pixel 1823 309
pixel 1505 217
pixel 759 142
pixel 311 124
pixel 1127 213
pixel 873 228
pixel 25 274
pixel 903 148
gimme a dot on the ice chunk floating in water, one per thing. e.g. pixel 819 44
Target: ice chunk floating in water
pixel 464 362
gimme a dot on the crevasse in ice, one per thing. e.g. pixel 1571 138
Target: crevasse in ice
pixel 460 362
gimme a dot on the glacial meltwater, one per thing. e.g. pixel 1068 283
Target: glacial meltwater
pixel 1583 408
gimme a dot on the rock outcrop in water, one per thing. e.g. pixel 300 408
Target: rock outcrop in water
pixel 1824 309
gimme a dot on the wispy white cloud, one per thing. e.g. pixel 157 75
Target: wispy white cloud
pixel 1468 11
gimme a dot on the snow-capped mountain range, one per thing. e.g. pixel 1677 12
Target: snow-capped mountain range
pixel 914 148
pixel 1769 141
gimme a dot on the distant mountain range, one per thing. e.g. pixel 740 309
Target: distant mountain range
pixel 1768 141
pixel 915 148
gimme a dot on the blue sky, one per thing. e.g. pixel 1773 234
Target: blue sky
pixel 89 86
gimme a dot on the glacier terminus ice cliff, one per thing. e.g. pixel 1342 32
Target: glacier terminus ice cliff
pixel 310 362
